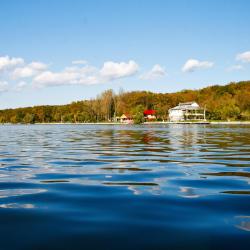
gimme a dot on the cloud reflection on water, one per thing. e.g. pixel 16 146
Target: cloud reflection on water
pixel 243 222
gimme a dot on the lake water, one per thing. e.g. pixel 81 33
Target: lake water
pixel 125 187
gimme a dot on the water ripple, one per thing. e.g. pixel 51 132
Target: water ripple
pixel 165 186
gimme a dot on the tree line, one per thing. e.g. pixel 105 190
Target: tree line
pixel 229 102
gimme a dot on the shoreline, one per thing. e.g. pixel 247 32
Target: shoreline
pixel 145 123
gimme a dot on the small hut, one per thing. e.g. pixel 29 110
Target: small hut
pixel 125 118
pixel 149 114
pixel 188 111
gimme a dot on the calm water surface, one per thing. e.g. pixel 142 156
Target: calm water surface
pixel 125 187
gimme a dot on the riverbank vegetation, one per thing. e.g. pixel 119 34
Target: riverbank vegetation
pixel 229 102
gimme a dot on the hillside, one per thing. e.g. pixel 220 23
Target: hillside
pixel 229 102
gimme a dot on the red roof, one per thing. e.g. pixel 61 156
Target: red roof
pixel 149 112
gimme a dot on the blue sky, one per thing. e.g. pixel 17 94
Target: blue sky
pixel 58 51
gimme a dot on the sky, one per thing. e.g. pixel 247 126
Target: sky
pixel 59 51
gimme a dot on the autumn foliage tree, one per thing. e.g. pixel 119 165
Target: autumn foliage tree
pixel 229 102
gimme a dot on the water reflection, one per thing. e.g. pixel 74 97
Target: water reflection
pixel 55 181
pixel 188 192
pixel 19 192
pixel 236 174
pixel 124 169
pixel 243 222
pixel 130 183
pixel 16 205
pixel 134 155
pixel 243 192
pixel 145 176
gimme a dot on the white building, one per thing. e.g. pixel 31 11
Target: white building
pixel 187 111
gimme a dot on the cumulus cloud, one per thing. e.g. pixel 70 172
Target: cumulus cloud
pixel 28 70
pixel 38 66
pixel 38 74
pixel 79 62
pixel 20 86
pixel 192 65
pixel 244 57
pixel 51 78
pixel 70 75
pixel 7 62
pixel 3 86
pixel 235 68
pixel 87 74
pixel 113 70
pixel 155 73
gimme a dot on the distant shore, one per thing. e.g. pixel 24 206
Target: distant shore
pixel 145 123
pixel 232 122
pixel 205 122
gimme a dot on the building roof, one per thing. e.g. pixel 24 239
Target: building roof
pixel 126 116
pixel 149 112
pixel 186 105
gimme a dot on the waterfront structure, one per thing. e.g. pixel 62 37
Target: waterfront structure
pixel 188 111
pixel 125 118
pixel 149 114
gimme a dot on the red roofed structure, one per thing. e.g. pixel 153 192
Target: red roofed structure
pixel 149 114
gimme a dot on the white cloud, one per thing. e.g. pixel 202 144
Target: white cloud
pixel 20 86
pixel 79 72
pixel 87 69
pixel 79 62
pixel 38 66
pixel 235 68
pixel 6 62
pixel 70 75
pixel 155 73
pixel 3 86
pixel 29 70
pixel 87 74
pixel 112 70
pixel 51 78
pixel 243 57
pixel 22 72
pixel 192 65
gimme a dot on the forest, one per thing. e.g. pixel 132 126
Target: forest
pixel 229 102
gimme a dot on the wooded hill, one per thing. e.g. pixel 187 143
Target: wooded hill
pixel 229 102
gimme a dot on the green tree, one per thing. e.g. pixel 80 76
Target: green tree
pixel 138 115
pixel 28 118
